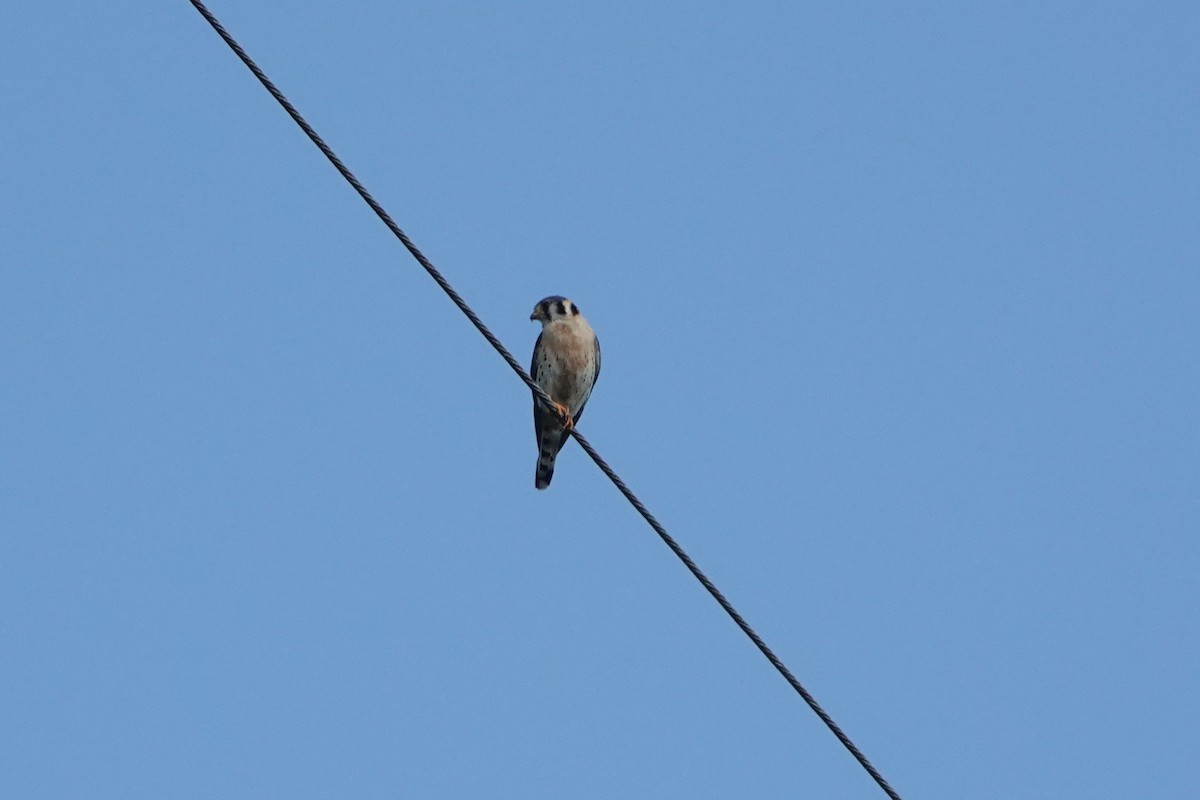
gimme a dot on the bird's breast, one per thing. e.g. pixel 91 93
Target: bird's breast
pixel 569 352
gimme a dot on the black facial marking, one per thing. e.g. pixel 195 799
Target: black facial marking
pixel 574 310
pixel 562 311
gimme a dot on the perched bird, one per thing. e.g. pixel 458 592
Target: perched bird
pixel 566 363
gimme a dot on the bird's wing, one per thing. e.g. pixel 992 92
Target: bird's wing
pixel 533 373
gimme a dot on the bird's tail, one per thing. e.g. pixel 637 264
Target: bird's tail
pixel 548 449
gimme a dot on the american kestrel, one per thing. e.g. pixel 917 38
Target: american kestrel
pixel 566 363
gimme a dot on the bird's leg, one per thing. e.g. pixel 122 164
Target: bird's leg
pixel 564 412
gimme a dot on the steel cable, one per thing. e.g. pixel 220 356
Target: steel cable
pixel 545 399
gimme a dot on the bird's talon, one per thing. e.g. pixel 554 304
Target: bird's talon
pixel 568 422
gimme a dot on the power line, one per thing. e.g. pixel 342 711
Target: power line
pixel 545 398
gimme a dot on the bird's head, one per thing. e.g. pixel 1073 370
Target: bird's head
pixel 553 308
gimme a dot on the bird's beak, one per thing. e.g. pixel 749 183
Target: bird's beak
pixel 533 316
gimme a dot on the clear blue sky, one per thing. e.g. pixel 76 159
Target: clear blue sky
pixel 900 307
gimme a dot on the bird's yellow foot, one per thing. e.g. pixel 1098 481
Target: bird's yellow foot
pixel 562 410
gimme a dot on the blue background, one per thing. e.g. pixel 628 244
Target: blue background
pixel 899 307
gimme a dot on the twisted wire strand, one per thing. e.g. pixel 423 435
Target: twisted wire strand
pixel 270 86
pixel 544 398
pixel 678 550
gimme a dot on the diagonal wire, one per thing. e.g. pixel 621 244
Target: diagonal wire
pixel 544 398
pixel 736 617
